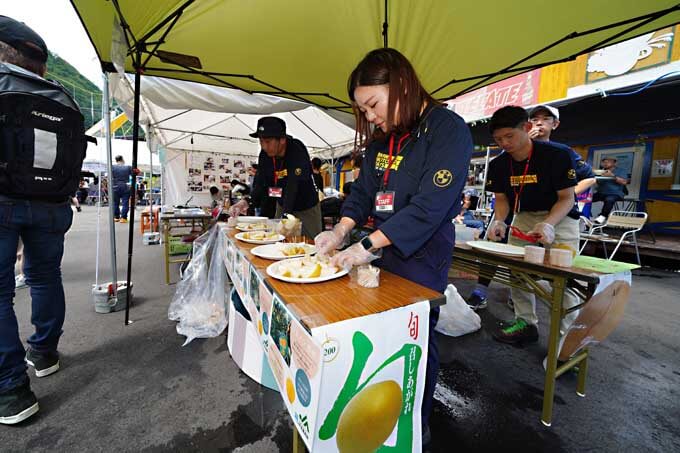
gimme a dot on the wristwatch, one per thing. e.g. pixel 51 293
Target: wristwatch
pixel 367 244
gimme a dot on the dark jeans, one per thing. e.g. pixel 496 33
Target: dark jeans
pixel 609 202
pixel 41 227
pixel 474 224
pixel 121 193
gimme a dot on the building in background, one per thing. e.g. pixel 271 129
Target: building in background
pixel 621 100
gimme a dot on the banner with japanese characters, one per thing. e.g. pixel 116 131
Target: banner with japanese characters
pixel 373 382
pixel 355 385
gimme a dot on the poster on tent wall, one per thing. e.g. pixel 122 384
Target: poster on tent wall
pixel 205 170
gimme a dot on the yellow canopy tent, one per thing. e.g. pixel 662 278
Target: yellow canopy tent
pixel 305 49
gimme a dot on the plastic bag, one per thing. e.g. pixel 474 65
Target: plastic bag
pixel 456 318
pixel 199 300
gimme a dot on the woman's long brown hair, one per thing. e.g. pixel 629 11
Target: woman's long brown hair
pixel 388 66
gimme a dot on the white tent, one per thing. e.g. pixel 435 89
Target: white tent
pixel 187 118
pixel 95 158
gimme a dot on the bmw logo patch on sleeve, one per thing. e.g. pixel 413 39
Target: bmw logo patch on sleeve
pixel 442 178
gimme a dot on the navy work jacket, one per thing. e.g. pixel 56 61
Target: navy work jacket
pixel 427 178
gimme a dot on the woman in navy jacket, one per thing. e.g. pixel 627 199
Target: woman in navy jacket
pixel 416 159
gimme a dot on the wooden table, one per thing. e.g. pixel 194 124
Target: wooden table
pixel 319 306
pixel 173 221
pixel 337 300
pixel 519 274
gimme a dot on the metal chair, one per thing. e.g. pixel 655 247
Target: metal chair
pixel 627 223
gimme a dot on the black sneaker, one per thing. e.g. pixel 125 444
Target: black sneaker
pixel 17 404
pixel 476 302
pixel 519 332
pixel 44 364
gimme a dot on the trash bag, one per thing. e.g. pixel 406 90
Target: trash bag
pixel 199 300
pixel 456 318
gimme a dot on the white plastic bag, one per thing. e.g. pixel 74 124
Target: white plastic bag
pixel 199 300
pixel 456 318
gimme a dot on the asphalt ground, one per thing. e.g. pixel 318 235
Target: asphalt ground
pixel 135 388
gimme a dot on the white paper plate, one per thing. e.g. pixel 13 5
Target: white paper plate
pixel 241 228
pixel 274 251
pixel 251 219
pixel 279 237
pixel 497 247
pixel 272 271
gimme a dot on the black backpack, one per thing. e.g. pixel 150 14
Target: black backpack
pixel 42 137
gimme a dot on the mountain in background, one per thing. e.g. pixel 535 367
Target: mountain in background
pixel 86 94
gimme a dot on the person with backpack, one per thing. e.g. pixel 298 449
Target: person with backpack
pixel 43 145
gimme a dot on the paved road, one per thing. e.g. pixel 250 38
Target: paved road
pixel 136 388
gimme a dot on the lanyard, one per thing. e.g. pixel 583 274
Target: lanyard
pixel 386 175
pixel 276 173
pixel 518 194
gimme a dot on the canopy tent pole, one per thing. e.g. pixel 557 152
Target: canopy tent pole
pixel 486 172
pixel 133 188
pixel 150 188
pixel 106 114
pixel 99 205
pixel 385 26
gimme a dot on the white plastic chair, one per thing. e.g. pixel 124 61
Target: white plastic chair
pixel 627 223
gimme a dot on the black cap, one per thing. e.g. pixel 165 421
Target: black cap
pixel 17 34
pixel 270 126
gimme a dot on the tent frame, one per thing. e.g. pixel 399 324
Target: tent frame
pixel 139 50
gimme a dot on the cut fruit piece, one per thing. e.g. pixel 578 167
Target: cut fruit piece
pixel 315 272
pixel 286 273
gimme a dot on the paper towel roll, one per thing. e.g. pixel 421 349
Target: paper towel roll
pixel 561 257
pixel 534 254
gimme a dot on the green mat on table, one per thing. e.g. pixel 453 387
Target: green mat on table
pixel 601 265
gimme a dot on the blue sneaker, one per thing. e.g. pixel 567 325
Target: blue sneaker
pixel 477 301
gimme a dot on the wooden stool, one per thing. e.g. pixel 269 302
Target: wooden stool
pixel 145 221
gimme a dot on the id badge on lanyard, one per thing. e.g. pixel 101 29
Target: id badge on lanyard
pixel 384 199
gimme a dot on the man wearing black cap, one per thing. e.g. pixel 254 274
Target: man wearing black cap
pixel 41 224
pixel 535 181
pixel 285 174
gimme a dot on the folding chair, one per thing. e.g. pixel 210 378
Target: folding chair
pixel 627 223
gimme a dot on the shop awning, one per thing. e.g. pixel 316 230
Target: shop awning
pixel 305 50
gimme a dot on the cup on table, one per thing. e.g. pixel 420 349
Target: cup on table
pixel 561 257
pixel 534 254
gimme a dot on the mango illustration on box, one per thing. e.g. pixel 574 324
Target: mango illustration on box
pixel 363 416
pixel 380 403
